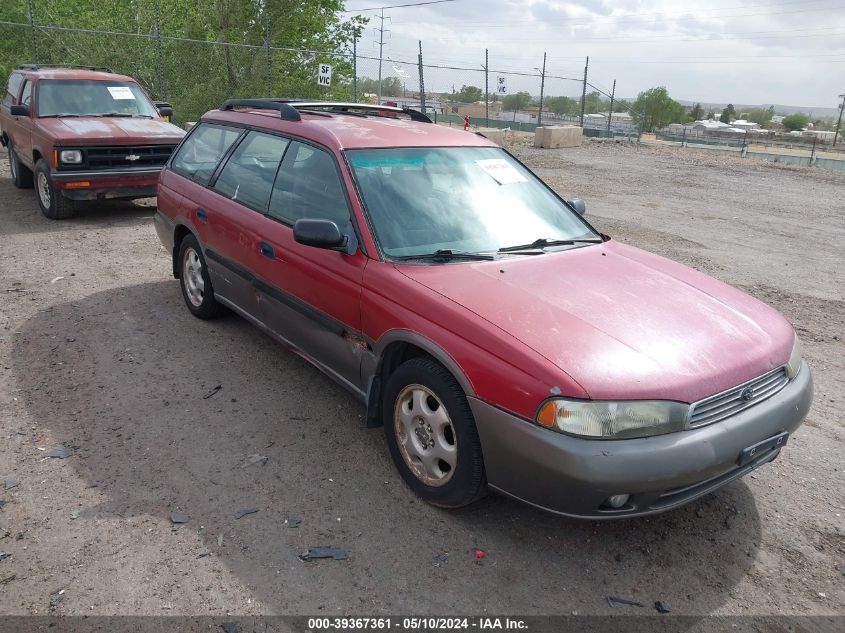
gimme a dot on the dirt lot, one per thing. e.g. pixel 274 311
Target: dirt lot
pixel 98 353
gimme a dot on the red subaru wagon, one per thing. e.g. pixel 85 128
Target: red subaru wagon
pixel 502 341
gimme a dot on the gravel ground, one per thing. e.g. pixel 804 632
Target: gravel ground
pixel 97 353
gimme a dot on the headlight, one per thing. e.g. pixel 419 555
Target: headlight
pixel 70 156
pixel 613 420
pixel 794 363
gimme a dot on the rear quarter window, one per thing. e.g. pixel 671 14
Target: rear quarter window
pixel 198 156
pixel 13 89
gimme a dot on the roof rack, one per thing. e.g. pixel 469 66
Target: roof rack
pixel 65 66
pixel 286 112
pixel 289 109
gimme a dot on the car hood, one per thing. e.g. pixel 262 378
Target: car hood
pixel 621 322
pixel 110 130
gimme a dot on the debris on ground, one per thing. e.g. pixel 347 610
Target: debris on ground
pixel 479 554
pixel 219 540
pixel 74 514
pixel 230 627
pixel 10 483
pixel 177 517
pixel 662 608
pixel 293 522
pixel 5 555
pixel 2 503
pixel 255 459
pixel 6 581
pixel 614 601
pixel 60 452
pixel 212 392
pixel 323 552
pixel 55 279
pixel 56 598
pixel 245 511
pixel 441 559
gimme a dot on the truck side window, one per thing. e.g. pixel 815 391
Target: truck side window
pixel 26 95
pixel 12 91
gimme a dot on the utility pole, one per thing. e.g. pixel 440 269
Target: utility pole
pixel 381 33
pixel 355 68
pixel 610 112
pixel 584 92
pixel 542 88
pixel 422 82
pixel 32 32
pixel 839 123
pixel 267 59
pixel 486 87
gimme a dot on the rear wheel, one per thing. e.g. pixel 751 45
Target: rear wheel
pixel 195 282
pixel 21 174
pixel 432 436
pixel 53 204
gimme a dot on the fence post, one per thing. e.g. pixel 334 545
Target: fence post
pixel 34 42
pixel 542 89
pixel 610 112
pixel 584 92
pixel 486 87
pixel 267 59
pixel 162 89
pixel 813 153
pixel 422 83
pixel 684 138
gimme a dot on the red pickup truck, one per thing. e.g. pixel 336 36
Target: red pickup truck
pixel 83 134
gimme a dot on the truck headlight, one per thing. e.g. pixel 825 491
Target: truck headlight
pixel 70 156
pixel 794 363
pixel 624 419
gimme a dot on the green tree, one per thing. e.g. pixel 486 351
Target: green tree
pixel 655 109
pixel 797 121
pixel 469 94
pixel 696 112
pixel 516 101
pixel 563 105
pixel 762 116
pixel 728 114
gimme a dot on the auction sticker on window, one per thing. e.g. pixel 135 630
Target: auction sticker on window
pixel 501 171
pixel 120 92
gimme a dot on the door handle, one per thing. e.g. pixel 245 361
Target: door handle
pixel 202 216
pixel 267 250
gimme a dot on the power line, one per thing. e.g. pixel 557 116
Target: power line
pixel 398 6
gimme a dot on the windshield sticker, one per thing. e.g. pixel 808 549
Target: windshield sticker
pixel 120 93
pixel 501 171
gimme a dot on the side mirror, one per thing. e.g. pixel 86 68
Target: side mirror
pixel 19 110
pixel 319 233
pixel 579 205
pixel 164 109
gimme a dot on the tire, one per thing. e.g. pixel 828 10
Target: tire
pixel 21 174
pixel 53 204
pixel 195 282
pixel 424 405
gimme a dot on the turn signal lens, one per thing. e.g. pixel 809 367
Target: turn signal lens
pixel 78 185
pixel 794 363
pixel 546 415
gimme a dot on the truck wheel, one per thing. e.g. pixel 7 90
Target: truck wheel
pixel 53 204
pixel 21 174
pixel 431 434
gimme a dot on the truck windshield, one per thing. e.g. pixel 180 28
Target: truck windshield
pixel 85 97
pixel 470 199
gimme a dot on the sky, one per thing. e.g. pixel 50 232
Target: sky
pixel 788 52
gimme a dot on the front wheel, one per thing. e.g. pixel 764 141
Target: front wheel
pixel 431 434
pixel 53 204
pixel 21 174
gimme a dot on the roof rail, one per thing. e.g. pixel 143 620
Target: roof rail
pixel 342 108
pixel 286 111
pixel 66 66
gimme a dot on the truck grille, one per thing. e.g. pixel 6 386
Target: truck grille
pixel 730 402
pixel 122 157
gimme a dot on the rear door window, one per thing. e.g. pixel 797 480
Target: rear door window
pixel 13 89
pixel 308 186
pixel 198 156
pixel 249 173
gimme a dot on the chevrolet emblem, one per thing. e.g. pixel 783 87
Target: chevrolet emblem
pixel 133 157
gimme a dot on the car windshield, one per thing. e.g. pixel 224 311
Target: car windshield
pixel 83 97
pixel 468 199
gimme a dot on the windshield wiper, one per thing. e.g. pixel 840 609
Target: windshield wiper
pixel 120 114
pixel 446 254
pixel 62 115
pixel 545 242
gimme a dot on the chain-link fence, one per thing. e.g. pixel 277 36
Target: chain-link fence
pixel 182 64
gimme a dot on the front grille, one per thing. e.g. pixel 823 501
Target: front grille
pixel 117 157
pixel 730 402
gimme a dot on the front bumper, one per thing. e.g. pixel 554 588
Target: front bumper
pixel 113 184
pixel 573 477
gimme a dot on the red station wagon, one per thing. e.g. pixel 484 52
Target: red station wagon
pixel 500 339
pixel 83 134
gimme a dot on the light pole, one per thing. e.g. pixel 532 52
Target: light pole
pixel 839 123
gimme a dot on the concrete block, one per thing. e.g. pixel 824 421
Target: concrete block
pixel 554 136
pixel 497 135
